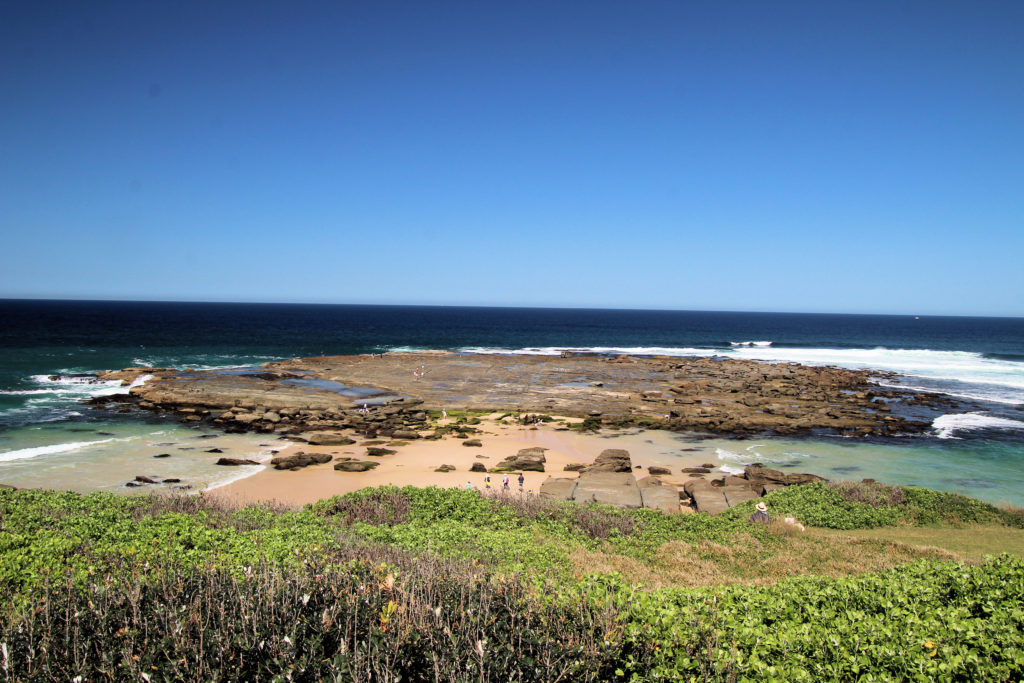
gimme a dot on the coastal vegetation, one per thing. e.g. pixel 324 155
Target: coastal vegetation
pixel 390 584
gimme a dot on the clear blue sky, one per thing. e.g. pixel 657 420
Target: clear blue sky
pixel 778 156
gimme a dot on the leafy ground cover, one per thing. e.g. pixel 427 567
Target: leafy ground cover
pixel 440 584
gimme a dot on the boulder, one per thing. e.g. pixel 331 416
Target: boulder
pixel 235 462
pixel 405 434
pixel 528 459
pixel 609 487
pixel 658 496
pixel 574 467
pixel 375 452
pixel 445 468
pixel 354 466
pixel 162 455
pixel 145 480
pixel 474 443
pixel 657 469
pixel 734 495
pixel 710 500
pixel 299 460
pixel 612 460
pixel 478 467
pixel 557 489
pixel 328 439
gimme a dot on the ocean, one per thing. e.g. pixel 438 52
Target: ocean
pixel 48 349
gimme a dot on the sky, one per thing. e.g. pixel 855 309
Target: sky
pixel 861 157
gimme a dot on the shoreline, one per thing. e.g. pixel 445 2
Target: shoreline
pixel 415 463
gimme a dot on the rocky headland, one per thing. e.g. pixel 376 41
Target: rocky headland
pixel 388 394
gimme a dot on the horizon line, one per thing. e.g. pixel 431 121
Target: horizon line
pixel 489 306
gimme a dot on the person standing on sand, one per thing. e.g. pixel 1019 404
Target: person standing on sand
pixel 522 479
pixel 761 516
pixel 504 482
pixel 487 481
pixel 469 486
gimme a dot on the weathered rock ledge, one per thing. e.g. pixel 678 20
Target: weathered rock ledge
pixel 387 395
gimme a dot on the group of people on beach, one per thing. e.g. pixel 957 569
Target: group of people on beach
pixel 505 482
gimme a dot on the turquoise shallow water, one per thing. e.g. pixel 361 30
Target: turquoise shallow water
pixel 989 470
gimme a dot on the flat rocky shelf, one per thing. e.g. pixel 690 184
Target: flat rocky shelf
pixel 390 391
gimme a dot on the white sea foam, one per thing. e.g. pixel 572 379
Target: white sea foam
pixel 246 471
pixel 946 426
pixel 957 373
pixel 610 350
pixel 25 453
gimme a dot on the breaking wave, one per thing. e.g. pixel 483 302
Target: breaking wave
pixel 964 374
pixel 946 426
pixel 25 453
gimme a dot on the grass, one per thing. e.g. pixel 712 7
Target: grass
pixel 780 554
pixel 970 543
pixel 416 584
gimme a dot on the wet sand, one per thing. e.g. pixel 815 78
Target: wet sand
pixel 414 464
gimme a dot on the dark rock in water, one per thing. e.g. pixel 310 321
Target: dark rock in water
pixel 145 480
pixel 378 452
pixel 172 480
pixel 208 436
pixel 973 483
pixel 105 433
pixel 235 461
pixel 850 468
pixel 164 445
pixel 162 455
pixel 133 484
pixel 478 467
pixel 354 466
pixel 215 450
pixel 709 465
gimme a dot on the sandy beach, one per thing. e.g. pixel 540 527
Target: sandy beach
pixel 415 463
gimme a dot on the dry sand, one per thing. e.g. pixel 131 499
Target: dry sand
pixel 414 464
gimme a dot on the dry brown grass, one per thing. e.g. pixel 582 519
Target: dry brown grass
pixel 970 543
pixel 747 560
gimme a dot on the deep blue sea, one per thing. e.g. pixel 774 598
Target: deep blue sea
pixel 48 437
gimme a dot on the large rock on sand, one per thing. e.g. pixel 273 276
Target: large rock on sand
pixel 612 488
pixel 658 496
pixel 327 439
pixel 528 460
pixel 560 488
pixel 612 460
pixel 299 460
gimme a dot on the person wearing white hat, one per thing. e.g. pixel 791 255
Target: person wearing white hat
pixel 761 515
